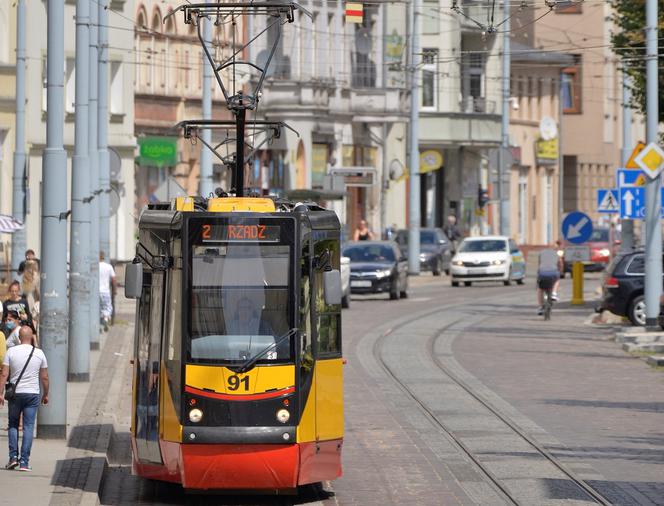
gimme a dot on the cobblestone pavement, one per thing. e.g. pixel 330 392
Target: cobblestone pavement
pixel 395 454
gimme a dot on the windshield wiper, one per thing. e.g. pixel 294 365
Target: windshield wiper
pixel 249 363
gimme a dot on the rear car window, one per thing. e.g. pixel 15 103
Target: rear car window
pixel 637 265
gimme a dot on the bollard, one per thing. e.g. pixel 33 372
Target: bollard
pixel 577 283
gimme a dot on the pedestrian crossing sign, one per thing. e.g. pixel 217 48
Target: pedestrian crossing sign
pixel 607 201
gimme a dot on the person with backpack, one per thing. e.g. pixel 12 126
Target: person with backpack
pixel 26 368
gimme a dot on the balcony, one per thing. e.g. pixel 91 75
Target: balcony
pixel 477 105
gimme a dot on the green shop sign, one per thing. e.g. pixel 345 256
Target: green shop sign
pixel 158 151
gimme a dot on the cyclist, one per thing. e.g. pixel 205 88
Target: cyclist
pixel 548 276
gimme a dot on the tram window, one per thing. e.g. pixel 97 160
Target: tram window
pixel 240 301
pixel 327 316
pixel 172 352
pixel 328 334
pixel 306 353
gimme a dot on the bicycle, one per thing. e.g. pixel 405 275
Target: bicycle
pixel 548 302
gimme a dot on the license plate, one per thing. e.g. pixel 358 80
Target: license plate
pixel 360 284
pixel 478 271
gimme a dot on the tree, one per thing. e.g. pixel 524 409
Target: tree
pixel 629 43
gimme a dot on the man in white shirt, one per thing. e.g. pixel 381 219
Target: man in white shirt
pixel 106 284
pixel 26 401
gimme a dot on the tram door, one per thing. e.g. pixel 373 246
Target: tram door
pixel 148 363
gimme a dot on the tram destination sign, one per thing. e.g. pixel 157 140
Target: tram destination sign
pixel 240 233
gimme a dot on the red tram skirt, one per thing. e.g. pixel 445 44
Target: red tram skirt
pixel 227 466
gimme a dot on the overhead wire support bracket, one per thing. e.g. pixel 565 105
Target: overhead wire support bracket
pixel 238 102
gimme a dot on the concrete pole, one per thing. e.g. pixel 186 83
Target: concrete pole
pixel 53 322
pixel 653 278
pixel 94 179
pixel 79 274
pixel 561 159
pixel 102 134
pixel 503 171
pixel 20 157
pixel 414 144
pixel 627 226
pixel 206 186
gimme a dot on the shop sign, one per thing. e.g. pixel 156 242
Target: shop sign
pixel 430 160
pixel 546 152
pixel 158 151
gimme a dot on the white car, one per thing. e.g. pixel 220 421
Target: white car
pixel 345 281
pixel 488 258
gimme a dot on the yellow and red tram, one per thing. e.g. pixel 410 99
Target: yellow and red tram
pixel 238 348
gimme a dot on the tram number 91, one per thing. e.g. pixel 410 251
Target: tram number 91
pixel 234 383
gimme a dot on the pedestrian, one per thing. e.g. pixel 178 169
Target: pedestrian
pixel 107 284
pixel 11 328
pixel 452 231
pixel 15 302
pixel 30 288
pixel 29 255
pixel 362 232
pixel 26 367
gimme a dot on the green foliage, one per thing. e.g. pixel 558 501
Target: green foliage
pixel 629 43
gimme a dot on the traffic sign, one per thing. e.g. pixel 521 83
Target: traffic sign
pixel 633 203
pixel 631 164
pixel 577 254
pixel 629 178
pixel 607 201
pixel 651 160
pixel 577 227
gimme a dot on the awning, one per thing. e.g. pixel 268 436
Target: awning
pixel 9 224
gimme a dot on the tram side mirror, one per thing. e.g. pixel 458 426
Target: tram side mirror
pixel 332 286
pixel 134 280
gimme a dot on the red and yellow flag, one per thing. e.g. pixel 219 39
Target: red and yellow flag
pixel 354 13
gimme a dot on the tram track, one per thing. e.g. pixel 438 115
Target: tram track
pixel 591 494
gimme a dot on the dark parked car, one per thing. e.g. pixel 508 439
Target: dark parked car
pixel 623 286
pixel 377 267
pixel 435 251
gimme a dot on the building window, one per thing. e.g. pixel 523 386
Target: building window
pixel 116 88
pixel 571 90
pixel 473 83
pixel 70 85
pixel 429 79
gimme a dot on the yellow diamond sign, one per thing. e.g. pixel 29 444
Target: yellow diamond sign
pixel 651 160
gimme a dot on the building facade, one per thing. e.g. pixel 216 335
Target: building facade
pixel 121 140
pixel 592 100
pixel 168 89
pixel 341 86
pixel 7 109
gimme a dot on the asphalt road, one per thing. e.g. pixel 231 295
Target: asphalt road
pixel 429 378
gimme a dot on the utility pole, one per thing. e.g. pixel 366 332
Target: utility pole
pixel 561 158
pixel 505 130
pixel 94 179
pixel 79 277
pixel 653 277
pixel 53 323
pixel 206 186
pixel 104 160
pixel 20 157
pixel 414 179
pixel 627 226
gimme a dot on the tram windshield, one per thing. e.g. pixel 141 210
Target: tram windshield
pixel 239 302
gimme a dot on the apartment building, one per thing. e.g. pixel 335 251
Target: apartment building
pixel 342 87
pixel 592 99
pixel 7 105
pixel 168 88
pixel 460 122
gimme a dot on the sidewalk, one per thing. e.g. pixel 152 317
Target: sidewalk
pixel 69 472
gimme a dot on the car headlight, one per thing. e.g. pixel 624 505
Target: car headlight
pixel 561 253
pixel 498 262
pixel 283 415
pixel 195 415
pixel 604 252
pixel 458 263
pixel 383 274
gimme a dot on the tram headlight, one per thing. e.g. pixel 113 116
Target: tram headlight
pixel 283 415
pixel 195 415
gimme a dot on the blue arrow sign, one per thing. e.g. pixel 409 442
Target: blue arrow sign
pixel 607 201
pixel 577 227
pixel 633 203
